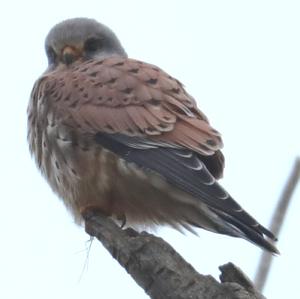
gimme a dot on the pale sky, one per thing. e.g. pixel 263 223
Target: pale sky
pixel 239 59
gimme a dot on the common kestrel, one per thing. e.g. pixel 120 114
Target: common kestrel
pixel 123 137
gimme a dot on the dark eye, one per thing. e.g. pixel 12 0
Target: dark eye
pixel 51 55
pixel 93 44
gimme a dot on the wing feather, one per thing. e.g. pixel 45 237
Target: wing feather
pixel 119 95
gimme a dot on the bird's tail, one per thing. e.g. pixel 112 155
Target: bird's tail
pixel 257 235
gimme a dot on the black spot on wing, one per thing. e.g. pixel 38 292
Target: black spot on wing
pixel 183 169
pixel 214 163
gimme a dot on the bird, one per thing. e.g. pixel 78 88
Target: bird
pixel 124 138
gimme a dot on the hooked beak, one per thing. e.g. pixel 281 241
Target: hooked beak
pixel 70 54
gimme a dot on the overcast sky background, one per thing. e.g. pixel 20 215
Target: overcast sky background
pixel 239 59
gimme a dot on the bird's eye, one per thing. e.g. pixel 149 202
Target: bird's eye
pixel 93 44
pixel 51 55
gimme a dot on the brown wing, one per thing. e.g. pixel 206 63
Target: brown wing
pixel 119 95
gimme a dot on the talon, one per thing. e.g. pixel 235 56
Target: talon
pixel 122 218
pixel 91 210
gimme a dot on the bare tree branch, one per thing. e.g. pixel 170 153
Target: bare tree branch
pixel 160 270
pixel 276 224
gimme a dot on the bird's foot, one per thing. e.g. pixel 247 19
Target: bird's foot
pixel 91 210
pixel 122 219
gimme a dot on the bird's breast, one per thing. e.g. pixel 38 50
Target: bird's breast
pixel 77 169
pixel 84 174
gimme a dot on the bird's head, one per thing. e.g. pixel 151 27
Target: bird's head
pixel 80 39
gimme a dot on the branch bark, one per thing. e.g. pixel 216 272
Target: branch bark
pixel 160 270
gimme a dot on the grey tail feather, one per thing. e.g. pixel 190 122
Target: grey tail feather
pixel 251 234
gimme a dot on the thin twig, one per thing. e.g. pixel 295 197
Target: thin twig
pixel 276 224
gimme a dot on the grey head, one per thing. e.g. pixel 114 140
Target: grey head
pixel 81 39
